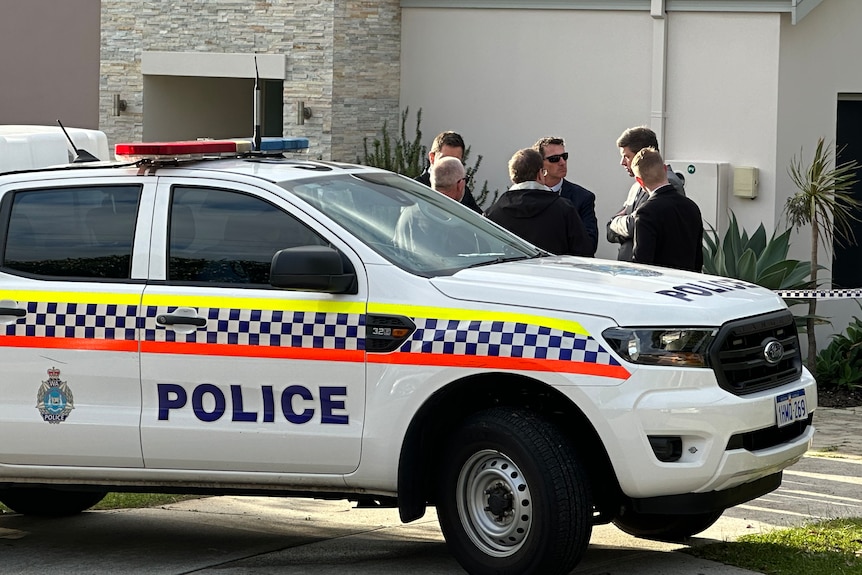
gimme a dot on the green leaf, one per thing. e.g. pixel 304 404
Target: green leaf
pixel 746 268
pixel 757 243
pixel 774 251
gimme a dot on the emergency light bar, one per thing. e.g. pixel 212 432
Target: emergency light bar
pixel 199 149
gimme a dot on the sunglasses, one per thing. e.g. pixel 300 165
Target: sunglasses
pixel 557 157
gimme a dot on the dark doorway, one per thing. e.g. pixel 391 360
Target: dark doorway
pixel 847 260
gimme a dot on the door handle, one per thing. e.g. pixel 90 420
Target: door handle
pixel 15 311
pixel 171 319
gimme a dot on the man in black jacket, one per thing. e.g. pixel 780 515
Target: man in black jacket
pixel 621 226
pixel 448 144
pixel 556 162
pixel 535 212
pixel 668 229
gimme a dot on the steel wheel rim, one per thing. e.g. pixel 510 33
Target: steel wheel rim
pixel 494 503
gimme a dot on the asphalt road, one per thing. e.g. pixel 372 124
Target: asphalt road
pixel 261 536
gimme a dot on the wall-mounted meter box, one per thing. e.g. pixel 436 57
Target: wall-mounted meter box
pixel 745 182
pixel 708 184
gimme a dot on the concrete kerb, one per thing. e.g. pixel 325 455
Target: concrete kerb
pixel 839 432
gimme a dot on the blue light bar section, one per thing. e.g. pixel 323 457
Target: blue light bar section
pixel 274 144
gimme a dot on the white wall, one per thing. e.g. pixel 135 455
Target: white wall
pixel 505 78
pixel 513 76
pixel 721 103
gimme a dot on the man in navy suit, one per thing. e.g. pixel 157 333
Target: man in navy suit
pixel 668 229
pixel 556 160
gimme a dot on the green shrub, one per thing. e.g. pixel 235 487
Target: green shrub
pixel 399 155
pixel 839 364
pixel 407 157
pixel 758 260
pixel 754 259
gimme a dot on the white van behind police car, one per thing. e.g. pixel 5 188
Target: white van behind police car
pixel 27 147
pixel 250 324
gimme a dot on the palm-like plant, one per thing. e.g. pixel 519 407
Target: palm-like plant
pixel 824 201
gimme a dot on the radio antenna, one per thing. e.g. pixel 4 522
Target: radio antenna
pixel 81 155
pixel 257 100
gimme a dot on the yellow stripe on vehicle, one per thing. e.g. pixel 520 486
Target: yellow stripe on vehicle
pixel 476 315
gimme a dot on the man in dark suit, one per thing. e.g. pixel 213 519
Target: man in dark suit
pixel 556 162
pixel 621 226
pixel 448 144
pixel 668 229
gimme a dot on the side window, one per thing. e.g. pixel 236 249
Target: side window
pixel 85 232
pixel 229 237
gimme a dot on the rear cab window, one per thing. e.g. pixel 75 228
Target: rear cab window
pixel 85 232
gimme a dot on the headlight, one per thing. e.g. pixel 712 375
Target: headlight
pixel 681 347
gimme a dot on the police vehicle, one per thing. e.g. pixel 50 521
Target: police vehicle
pixel 197 317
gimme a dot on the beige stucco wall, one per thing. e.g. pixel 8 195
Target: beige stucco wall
pixel 721 99
pixel 50 62
pixel 587 76
pixel 532 73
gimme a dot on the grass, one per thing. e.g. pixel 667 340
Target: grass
pixel 132 500
pixel 138 500
pixel 831 547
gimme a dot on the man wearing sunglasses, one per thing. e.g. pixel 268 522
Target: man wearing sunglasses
pixel 533 211
pixel 620 230
pixel 556 162
pixel 445 145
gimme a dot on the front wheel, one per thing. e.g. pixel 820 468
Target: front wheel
pixel 513 497
pixel 47 502
pixel 665 527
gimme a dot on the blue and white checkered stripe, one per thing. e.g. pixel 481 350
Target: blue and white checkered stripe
pixel 305 329
pixel 76 320
pixel 310 330
pixel 504 339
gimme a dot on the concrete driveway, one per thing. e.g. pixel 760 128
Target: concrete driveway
pixel 258 535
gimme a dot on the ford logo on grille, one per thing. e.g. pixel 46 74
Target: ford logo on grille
pixel 773 351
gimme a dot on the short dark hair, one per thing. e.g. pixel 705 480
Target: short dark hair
pixel 649 166
pixel 525 165
pixel 637 138
pixel 451 139
pixel 540 145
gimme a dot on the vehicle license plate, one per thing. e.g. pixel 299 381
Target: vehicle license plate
pixel 790 407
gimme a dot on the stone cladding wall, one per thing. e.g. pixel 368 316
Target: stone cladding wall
pixel 342 58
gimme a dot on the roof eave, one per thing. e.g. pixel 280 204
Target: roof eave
pixel 797 9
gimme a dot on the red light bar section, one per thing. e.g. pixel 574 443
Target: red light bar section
pixel 176 149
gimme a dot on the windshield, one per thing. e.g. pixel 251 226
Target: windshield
pixel 414 227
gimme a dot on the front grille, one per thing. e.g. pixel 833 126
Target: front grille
pixel 738 354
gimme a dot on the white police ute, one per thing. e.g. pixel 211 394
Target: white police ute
pixel 206 318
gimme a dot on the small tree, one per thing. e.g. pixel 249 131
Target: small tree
pixel 402 156
pixel 824 201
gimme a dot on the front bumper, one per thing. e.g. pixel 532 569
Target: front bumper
pixel 715 427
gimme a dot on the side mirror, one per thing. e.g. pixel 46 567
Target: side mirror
pixel 311 268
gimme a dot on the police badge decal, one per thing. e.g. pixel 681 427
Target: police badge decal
pixel 54 399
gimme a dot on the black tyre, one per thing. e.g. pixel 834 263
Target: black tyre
pixel 665 527
pixel 513 498
pixel 47 502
